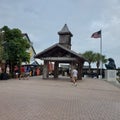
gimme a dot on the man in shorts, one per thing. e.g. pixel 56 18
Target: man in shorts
pixel 74 76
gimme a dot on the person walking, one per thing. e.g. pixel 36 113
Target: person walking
pixel 16 71
pixel 74 76
pixel 37 71
pixel 27 72
pixel 6 75
pixel 22 73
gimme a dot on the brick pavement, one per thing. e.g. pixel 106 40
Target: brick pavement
pixel 37 99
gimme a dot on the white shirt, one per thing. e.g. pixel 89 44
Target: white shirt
pixel 74 73
pixel 7 70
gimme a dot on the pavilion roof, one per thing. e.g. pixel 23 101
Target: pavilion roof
pixel 58 50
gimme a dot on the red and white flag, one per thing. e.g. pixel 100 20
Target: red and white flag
pixel 96 34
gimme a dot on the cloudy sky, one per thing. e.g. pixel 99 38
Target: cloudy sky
pixel 42 19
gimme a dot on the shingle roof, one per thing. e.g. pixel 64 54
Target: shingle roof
pixel 57 45
pixel 65 30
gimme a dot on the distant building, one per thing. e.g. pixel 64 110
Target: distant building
pixel 31 50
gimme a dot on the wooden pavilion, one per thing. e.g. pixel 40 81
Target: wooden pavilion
pixel 61 53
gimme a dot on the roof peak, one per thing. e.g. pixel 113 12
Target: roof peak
pixel 65 30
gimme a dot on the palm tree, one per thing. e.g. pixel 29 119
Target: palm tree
pixel 90 56
pixel 98 57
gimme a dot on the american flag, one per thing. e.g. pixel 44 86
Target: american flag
pixel 96 34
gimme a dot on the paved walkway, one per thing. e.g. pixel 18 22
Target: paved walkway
pixel 38 99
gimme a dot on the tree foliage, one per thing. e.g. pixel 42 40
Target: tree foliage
pixel 15 46
pixel 93 57
pixel 89 55
pixel 98 57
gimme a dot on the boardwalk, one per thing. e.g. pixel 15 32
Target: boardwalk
pixel 38 99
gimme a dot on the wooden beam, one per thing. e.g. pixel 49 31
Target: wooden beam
pixel 59 58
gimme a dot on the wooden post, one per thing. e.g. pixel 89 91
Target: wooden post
pixel 56 70
pixel 45 69
pixel 80 66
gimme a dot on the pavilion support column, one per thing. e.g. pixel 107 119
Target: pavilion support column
pixel 80 66
pixel 56 69
pixel 72 66
pixel 45 69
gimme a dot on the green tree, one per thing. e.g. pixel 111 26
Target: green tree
pixel 15 47
pixel 98 57
pixel 90 56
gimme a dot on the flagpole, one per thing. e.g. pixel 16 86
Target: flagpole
pixel 98 34
pixel 101 64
